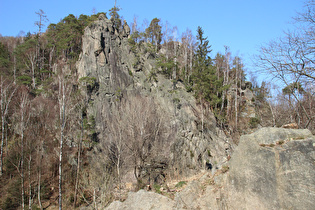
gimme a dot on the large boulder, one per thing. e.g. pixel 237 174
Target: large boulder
pixel 273 168
pixel 143 200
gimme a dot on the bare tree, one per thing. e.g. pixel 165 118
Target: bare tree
pixel 146 131
pixel 62 113
pixel 63 102
pixel 175 31
pixel 27 53
pixel 40 24
pixel 135 134
pixel 116 145
pixel 7 92
pixel 226 74
pixel 42 19
pixel 23 122
pixel 290 60
pixel 236 91
pixel 292 57
pixel 81 102
pixel 78 162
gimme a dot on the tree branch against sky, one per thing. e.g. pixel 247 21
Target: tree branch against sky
pixel 291 58
pixel 289 61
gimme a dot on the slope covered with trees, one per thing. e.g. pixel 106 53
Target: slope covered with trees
pixel 52 145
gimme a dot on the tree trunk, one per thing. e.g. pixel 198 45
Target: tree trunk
pixel 33 75
pixel 60 170
pixel 23 107
pixel 51 69
pixel 94 199
pixel 29 182
pixel 14 68
pixel 78 164
pixel 201 103
pixel 4 105
pixel 2 142
pixel 236 94
pixel 39 177
pixel 22 162
pixel 2 126
pixel 186 64
pixel 273 115
pixel 62 126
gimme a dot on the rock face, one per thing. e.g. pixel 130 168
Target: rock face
pixel 104 55
pixel 272 168
pixel 107 57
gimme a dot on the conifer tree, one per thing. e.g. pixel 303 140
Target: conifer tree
pixel 202 64
pixel 207 86
pixel 115 17
pixel 154 33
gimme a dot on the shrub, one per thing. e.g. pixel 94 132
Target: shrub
pixel 225 169
pixel 13 199
pixel 157 188
pixel 192 154
pixel 280 142
pixel 209 153
pixel 176 100
pixel 253 122
pixel 25 80
pixel 180 184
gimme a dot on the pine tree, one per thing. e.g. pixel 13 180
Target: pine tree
pixel 202 66
pixel 207 86
pixel 115 17
pixel 154 33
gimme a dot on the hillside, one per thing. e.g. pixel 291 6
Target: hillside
pixel 94 113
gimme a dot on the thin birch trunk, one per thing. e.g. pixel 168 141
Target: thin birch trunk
pixel 22 155
pixel 39 177
pixel 14 67
pixel 22 166
pixel 29 182
pixel 62 126
pixel 78 165
pixel 236 94
pixel 4 106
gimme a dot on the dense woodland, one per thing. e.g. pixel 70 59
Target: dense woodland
pixel 41 105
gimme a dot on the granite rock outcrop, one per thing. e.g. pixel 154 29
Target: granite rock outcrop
pixel 108 58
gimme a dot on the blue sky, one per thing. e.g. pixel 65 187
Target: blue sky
pixel 243 25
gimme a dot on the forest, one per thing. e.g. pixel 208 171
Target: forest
pixel 49 139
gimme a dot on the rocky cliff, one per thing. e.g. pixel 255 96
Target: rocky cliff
pixel 194 143
pixel 272 168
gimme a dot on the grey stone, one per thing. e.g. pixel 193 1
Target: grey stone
pixel 187 198
pixel 143 200
pixel 264 175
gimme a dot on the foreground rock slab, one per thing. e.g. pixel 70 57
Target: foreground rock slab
pixel 273 168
